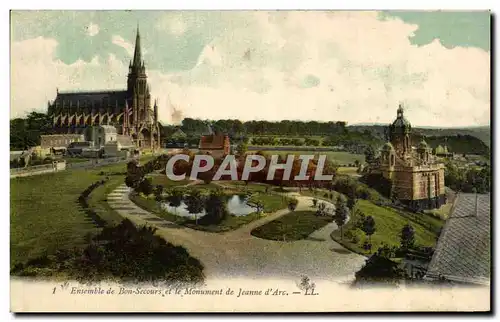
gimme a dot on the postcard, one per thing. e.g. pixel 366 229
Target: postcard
pixel 250 161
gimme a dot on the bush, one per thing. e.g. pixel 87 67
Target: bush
pixel 145 187
pixel 292 204
pixel 122 252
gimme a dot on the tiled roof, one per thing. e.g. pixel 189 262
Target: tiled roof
pixel 214 141
pixel 463 252
pixel 88 99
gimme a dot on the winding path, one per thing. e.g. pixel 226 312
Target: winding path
pixel 237 253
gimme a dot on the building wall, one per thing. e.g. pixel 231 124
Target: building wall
pixel 402 184
pixel 59 140
pixel 216 153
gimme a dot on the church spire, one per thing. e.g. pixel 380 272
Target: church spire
pixel 137 52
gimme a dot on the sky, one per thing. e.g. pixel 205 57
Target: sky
pixel 264 65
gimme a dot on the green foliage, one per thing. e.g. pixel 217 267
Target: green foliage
pixel 195 202
pixel 315 202
pixel 369 154
pixel 351 202
pixel 292 204
pixel 466 180
pixel 25 132
pixel 175 197
pixel 123 252
pixel 145 187
pixel 407 237
pixel 379 268
pixel 389 223
pixel 242 148
pixel 215 208
pixel 341 213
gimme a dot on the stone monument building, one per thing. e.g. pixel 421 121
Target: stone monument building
pixel 417 179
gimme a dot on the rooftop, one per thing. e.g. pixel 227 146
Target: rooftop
pixel 463 252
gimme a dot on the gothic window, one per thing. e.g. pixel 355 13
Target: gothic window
pixel 392 160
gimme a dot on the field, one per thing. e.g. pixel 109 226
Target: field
pixel 339 157
pixel 166 182
pixel 388 225
pixel 45 214
pixel 292 226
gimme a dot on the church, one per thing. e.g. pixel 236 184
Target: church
pixel 128 110
pixel 417 178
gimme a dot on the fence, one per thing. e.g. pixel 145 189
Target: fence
pixel 38 169
pixel 94 163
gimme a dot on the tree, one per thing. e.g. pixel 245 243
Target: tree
pixel 175 198
pixel 369 228
pixel 379 268
pixel 195 203
pixel 369 154
pixel 321 209
pixel 292 204
pixel 341 214
pixel 241 149
pixel 351 202
pixel 215 208
pixel 146 187
pixel 407 237
pixel 158 191
pixel 315 202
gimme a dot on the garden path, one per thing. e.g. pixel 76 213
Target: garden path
pixel 238 254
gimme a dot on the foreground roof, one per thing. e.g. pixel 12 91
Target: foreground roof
pixel 213 141
pixel 463 252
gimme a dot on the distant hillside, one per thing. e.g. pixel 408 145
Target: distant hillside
pixel 481 132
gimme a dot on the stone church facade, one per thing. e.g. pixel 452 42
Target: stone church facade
pixel 417 179
pixel 129 110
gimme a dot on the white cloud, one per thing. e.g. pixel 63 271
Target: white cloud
pixel 119 41
pixel 36 74
pixel 362 67
pixel 92 29
pixel 365 67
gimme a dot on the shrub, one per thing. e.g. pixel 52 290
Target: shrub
pixel 292 204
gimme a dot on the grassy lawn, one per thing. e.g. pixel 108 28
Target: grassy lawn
pixel 76 160
pixel 166 182
pixel 351 171
pixel 271 202
pixel 340 157
pixel 442 212
pixel 292 226
pixel 45 214
pixel 320 194
pixel 388 225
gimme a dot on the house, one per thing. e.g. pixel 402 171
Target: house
pixel 101 134
pixel 123 146
pixel 59 141
pixel 216 144
pixel 463 251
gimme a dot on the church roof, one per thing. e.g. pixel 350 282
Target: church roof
pixel 92 98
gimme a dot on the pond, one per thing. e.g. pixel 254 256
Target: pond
pixel 236 206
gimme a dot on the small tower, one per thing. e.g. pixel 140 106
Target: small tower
pixel 399 135
pixel 155 112
pixel 423 151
